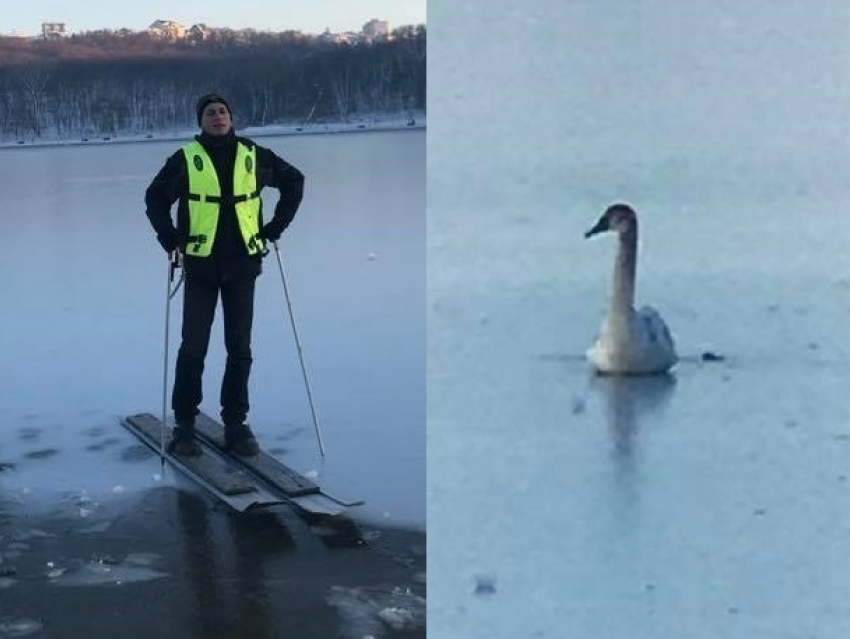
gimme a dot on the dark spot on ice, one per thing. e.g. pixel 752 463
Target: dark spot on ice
pixel 733 610
pixel 95 431
pixel 137 452
pixel 760 511
pixel 289 432
pixel 106 443
pixel 277 451
pixel 6 466
pixel 709 356
pixel 578 405
pixel 29 434
pixel 485 585
pixel 42 454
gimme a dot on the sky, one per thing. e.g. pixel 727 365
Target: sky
pixel 313 16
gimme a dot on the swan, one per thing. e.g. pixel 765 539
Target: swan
pixel 630 342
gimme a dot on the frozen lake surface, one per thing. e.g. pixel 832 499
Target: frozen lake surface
pixel 82 322
pixel 708 504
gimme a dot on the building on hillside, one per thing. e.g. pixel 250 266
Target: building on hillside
pixel 51 30
pixel 346 37
pixel 167 29
pixel 376 29
pixel 198 32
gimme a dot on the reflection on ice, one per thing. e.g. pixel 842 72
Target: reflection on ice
pixel 627 400
pixel 368 611
pixel 24 535
pixel 77 504
pixel 104 570
pixel 397 618
pixel 142 558
pixel 19 627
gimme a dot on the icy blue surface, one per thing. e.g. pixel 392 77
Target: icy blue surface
pixel 711 504
pixel 82 323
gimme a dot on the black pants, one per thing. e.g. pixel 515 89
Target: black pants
pixel 200 297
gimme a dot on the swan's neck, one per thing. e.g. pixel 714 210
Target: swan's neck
pixel 623 291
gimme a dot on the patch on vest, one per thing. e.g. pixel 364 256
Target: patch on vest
pixel 198 162
pixel 249 164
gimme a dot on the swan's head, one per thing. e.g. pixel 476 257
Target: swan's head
pixel 617 217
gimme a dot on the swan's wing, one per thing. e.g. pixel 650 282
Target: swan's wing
pixel 655 328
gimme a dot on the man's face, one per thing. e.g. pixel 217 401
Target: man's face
pixel 215 119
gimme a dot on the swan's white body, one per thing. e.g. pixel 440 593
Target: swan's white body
pixel 631 342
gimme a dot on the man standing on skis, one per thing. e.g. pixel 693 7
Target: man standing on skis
pixel 216 180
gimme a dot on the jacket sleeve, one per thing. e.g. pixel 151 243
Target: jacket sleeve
pixel 277 173
pixel 163 191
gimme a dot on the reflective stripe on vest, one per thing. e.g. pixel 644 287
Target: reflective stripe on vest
pixel 204 199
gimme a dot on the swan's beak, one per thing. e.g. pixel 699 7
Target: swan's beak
pixel 600 227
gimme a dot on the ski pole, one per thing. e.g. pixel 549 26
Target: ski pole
pixel 298 346
pixel 173 264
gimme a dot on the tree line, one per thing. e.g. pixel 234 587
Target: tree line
pixel 109 83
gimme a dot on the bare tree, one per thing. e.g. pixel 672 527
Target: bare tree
pixel 107 83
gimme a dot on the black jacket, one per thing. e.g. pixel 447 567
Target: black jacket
pixel 229 253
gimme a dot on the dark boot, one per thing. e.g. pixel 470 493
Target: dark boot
pixel 239 440
pixel 183 441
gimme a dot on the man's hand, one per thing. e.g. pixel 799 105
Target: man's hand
pixel 268 234
pixel 175 258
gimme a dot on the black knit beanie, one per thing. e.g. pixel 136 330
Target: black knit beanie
pixel 209 98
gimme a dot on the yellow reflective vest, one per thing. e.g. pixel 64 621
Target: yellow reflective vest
pixel 204 199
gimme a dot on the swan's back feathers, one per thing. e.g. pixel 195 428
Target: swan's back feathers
pixel 638 344
pixel 656 330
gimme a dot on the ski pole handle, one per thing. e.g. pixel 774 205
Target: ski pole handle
pixel 176 261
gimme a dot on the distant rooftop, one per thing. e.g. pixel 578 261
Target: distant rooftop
pixel 372 29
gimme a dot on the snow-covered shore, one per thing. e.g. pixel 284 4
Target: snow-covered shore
pixel 360 125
